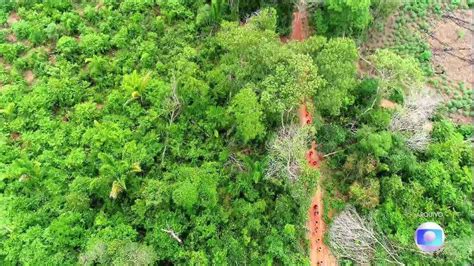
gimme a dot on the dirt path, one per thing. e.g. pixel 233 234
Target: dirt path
pixel 299 26
pixel 320 254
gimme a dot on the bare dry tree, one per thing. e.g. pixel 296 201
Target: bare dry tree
pixel 173 234
pixel 355 238
pixel 301 5
pixel 419 141
pixel 312 4
pixel 137 254
pixel 286 152
pixel 174 102
pixel 413 119
pixel 234 161
pixel 174 105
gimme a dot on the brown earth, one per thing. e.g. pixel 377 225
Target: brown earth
pixel 452 40
pixel 387 104
pixel 13 18
pixel 29 77
pixel 5 65
pixel 300 29
pixel 15 136
pixel 11 37
pixel 381 39
pixel 320 254
pixel 462 119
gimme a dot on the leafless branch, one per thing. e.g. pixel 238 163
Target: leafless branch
pixel 414 118
pixel 286 152
pixel 332 153
pixel 460 22
pixel 353 237
pixel 173 235
pixel 175 106
pixel 447 49
pixel 234 161
pixel 174 101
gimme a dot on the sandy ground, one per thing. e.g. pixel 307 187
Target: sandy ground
pixel 387 104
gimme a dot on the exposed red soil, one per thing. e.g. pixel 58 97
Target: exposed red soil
pixel 320 254
pixel 304 115
pixel 313 157
pixel 300 29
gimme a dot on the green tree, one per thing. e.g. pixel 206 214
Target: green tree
pixel 343 17
pixel 186 195
pixel 337 65
pixel 248 114
pixel 376 143
pixel 396 72
pixel 366 196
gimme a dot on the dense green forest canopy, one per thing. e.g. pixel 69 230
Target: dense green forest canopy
pixel 144 132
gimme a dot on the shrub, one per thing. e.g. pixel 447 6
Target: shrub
pixel 67 46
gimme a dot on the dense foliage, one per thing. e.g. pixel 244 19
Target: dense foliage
pixel 127 131
pixel 350 17
pixel 137 132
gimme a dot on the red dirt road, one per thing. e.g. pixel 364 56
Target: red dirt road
pixel 299 26
pixel 320 254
